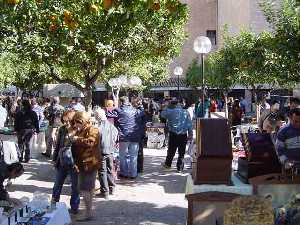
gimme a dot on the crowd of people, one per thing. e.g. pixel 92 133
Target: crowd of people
pixel 83 144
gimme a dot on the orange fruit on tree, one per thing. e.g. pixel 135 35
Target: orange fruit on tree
pixel 94 8
pixel 73 25
pixel 53 18
pixel 67 14
pixel 53 27
pixel 155 6
pixel 107 4
pixel 67 20
pixel 171 7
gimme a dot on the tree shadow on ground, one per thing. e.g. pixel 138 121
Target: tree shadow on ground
pixel 135 213
pixel 171 180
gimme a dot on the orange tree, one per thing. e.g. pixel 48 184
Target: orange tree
pixel 82 41
pixel 285 45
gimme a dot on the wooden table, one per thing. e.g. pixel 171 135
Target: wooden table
pixel 207 203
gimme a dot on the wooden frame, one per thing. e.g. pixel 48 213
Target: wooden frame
pixel 207 196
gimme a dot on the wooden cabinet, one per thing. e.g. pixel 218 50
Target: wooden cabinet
pixel 212 164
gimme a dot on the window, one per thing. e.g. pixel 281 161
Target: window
pixel 212 35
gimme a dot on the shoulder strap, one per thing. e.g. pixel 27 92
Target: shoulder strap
pixel 1 151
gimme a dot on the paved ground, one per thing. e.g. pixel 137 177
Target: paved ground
pixel 155 198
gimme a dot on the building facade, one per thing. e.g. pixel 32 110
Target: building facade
pixel 208 18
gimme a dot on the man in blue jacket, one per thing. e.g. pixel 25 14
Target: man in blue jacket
pixel 180 130
pixel 130 123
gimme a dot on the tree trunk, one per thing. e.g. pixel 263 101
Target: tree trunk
pixel 257 105
pixel 226 105
pixel 88 94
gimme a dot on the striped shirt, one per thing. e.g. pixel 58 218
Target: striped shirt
pixel 288 142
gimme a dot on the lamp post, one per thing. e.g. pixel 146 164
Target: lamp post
pixel 178 72
pixel 202 45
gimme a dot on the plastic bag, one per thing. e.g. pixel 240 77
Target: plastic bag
pixel 9 152
pixel 40 201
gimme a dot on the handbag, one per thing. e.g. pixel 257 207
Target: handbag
pixel 66 156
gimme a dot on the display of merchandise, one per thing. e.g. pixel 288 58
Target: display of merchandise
pixel 190 154
pixel 7 206
pixel 235 158
pixel 7 130
pixel 249 210
pixel 291 169
pixel 155 135
pixel 261 158
pixel 288 214
pixel 35 221
pixel 32 213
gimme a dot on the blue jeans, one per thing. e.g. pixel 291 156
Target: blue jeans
pixel 61 174
pixel 128 152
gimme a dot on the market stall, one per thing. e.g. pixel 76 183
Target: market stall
pixel 29 216
pixel 155 133
pixel 224 172
pixel 207 202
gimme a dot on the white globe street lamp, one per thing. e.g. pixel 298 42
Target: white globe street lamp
pixel 134 81
pixel 178 72
pixel 202 45
pixel 113 82
pixel 123 81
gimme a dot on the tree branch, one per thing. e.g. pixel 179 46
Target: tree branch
pixel 99 69
pixel 55 76
pixel 100 66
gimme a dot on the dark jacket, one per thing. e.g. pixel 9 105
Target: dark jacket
pixel 130 123
pixel 111 114
pixel 26 120
pixel 62 141
pixel 53 114
pixel 3 177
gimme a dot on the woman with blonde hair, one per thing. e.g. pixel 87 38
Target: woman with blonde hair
pixel 110 112
pixel 88 158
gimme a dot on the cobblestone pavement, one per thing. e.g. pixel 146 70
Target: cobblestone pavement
pixel 156 197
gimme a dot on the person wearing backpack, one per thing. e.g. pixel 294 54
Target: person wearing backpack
pixel 26 123
pixel 53 114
